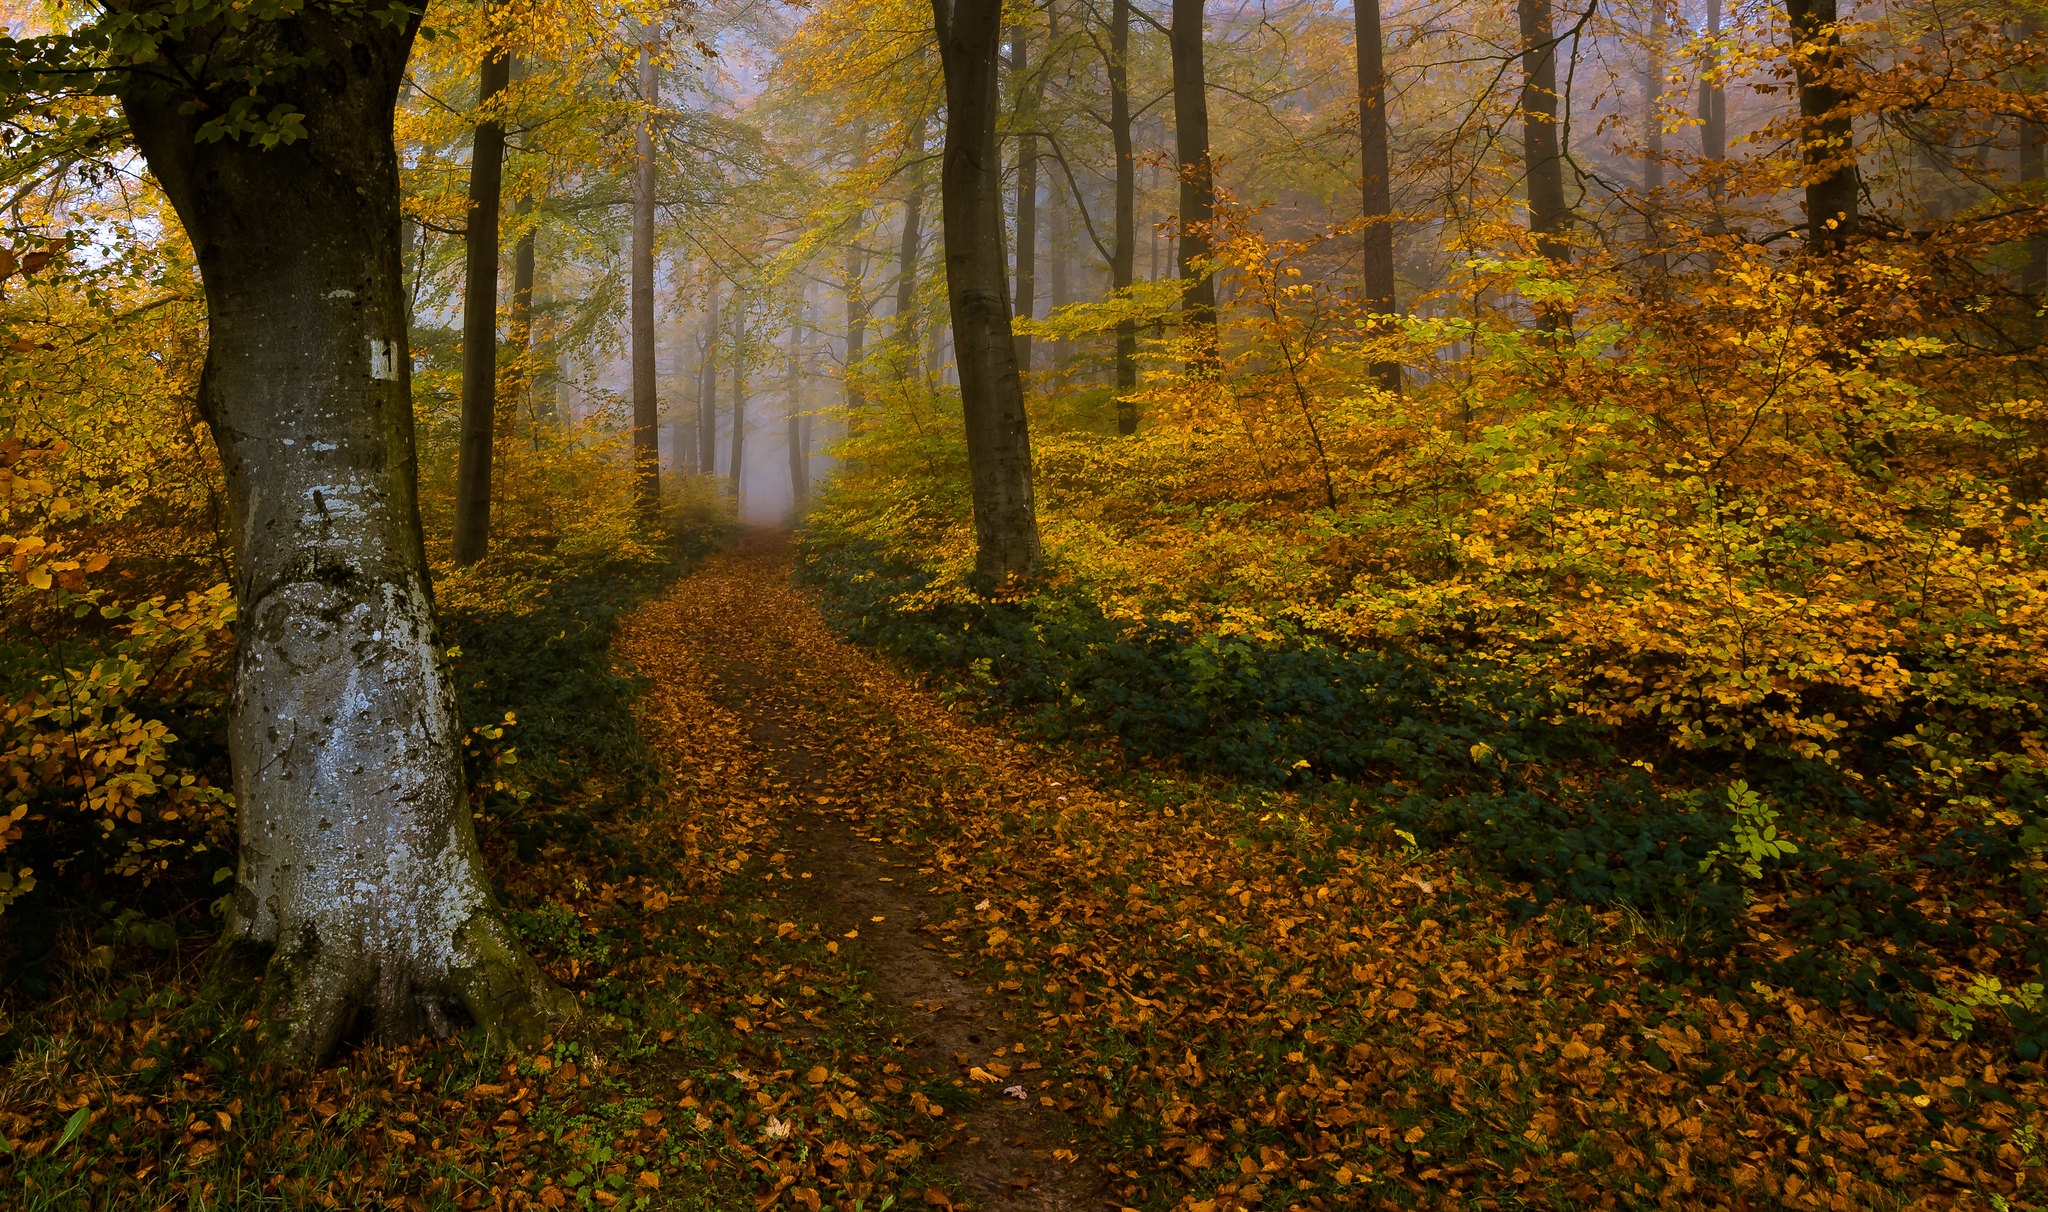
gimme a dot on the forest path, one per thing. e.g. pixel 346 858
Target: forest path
pixel 822 727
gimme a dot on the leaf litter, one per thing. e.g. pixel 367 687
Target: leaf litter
pixel 1197 1021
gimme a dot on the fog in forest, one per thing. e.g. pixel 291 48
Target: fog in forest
pixel 789 145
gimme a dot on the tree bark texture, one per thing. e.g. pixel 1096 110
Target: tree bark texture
pixel 1029 94
pixel 646 409
pixel 1543 160
pixel 991 393
pixel 1123 257
pixel 1376 175
pixel 358 869
pixel 1827 142
pixel 707 390
pixel 1197 181
pixel 480 320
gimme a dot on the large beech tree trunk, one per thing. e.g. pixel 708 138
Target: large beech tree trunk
pixel 480 321
pixel 991 394
pixel 646 410
pixel 1197 185
pixel 1375 174
pixel 359 870
pixel 1828 143
pixel 1124 256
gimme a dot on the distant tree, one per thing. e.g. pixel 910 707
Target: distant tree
pixel 480 317
pixel 1197 181
pixel 1123 254
pixel 646 408
pixel 1827 140
pixel 1376 174
pixel 1542 156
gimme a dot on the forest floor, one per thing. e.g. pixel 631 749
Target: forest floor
pixel 860 951
pixel 1197 1018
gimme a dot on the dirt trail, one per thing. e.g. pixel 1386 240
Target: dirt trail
pixel 809 705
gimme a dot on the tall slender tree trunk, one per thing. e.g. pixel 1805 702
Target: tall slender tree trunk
pixel 911 242
pixel 358 870
pixel 682 425
pixel 646 409
pixel 1713 110
pixel 707 390
pixel 856 325
pixel 1376 175
pixel 1653 136
pixel 1653 103
pixel 1124 253
pixel 1152 243
pixel 2034 274
pixel 1542 157
pixel 1653 107
pixel 1029 94
pixel 736 460
pixel 799 449
pixel 521 325
pixel 480 320
pixel 1827 142
pixel 682 433
pixel 991 394
pixel 1543 160
pixel 1197 181
pixel 1060 288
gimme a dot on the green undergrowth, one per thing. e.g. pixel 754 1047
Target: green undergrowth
pixel 126 1081
pixel 716 1046
pixel 549 733
pixel 1883 899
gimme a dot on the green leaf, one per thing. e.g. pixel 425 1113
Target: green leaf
pixel 73 1127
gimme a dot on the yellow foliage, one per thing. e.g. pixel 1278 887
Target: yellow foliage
pixel 1707 519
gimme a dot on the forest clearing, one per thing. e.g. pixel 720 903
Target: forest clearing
pixel 1058 604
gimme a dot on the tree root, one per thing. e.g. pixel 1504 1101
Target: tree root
pixel 316 989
